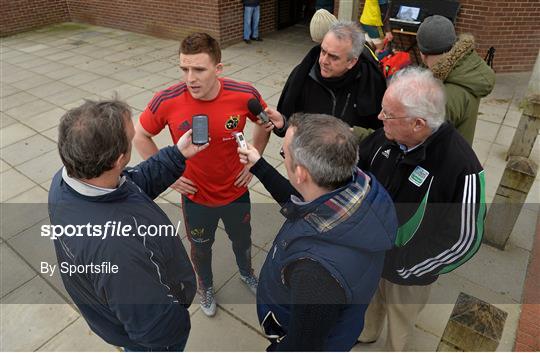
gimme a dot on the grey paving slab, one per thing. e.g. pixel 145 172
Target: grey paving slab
pixel 14 271
pixel 77 337
pixel 13 183
pixel 51 134
pixel 4 166
pixel 492 111
pixel 106 68
pixel 266 91
pixel 237 300
pixel 46 185
pixel 273 101
pixel 138 60
pixel 62 73
pixel 276 80
pixel 35 195
pixel 506 271
pixel 36 322
pixel 26 149
pixel 14 132
pixel 80 78
pixel 10 54
pixel 43 168
pixel 260 198
pixel 266 222
pixel 222 333
pixel 45 121
pixel 249 74
pixel 34 48
pixel 29 109
pixel 49 89
pixel 141 100
pixel 16 75
pixel 481 148
pixel 33 247
pixel 16 100
pixel 486 130
pixel 505 135
pixel 512 117
pixel 112 42
pixel 151 82
pixel 68 97
pixel 130 75
pixel 124 91
pixel 47 51
pixel 21 59
pixel 77 61
pixel 21 215
pixel 497 156
pixel 59 55
pixel 155 67
pixel 100 85
pixel 42 69
pixel 8 90
pixel 32 82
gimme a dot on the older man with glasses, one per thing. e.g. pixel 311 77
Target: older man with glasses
pixel 437 185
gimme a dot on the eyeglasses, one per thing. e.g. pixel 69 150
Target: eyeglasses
pixel 389 117
pixel 281 152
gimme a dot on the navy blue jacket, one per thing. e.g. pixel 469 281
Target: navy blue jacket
pixel 145 303
pixel 344 233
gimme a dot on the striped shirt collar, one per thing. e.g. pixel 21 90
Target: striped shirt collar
pixel 329 210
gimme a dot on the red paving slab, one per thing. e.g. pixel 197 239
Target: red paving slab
pixel 528 333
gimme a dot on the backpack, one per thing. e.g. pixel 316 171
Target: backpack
pixel 394 62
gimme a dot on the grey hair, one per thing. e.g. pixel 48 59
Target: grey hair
pixel 348 30
pixel 421 94
pixel 326 147
pixel 92 137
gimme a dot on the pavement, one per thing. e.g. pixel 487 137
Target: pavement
pixel 47 71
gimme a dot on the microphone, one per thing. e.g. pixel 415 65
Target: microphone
pixel 256 109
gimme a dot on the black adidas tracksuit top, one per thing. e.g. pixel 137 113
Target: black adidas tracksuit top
pixel 439 192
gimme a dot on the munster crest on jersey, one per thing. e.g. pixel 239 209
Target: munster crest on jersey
pixel 232 122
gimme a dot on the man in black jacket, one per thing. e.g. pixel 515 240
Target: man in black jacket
pixel 437 185
pixel 340 77
pixel 129 273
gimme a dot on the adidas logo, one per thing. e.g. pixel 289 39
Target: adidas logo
pixel 386 153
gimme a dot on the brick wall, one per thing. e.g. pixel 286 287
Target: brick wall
pixel 231 15
pixel 23 15
pixel 511 26
pixel 160 18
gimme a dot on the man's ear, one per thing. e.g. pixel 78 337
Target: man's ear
pixel 301 174
pixel 118 164
pixel 419 124
pixel 351 63
pixel 219 69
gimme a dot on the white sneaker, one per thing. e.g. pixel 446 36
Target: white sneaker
pixel 251 282
pixel 208 302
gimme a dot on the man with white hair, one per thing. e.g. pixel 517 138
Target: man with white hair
pixel 437 185
pixel 339 77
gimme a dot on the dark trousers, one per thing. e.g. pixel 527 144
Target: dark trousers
pixel 179 347
pixel 201 224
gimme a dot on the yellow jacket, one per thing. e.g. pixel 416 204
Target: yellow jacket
pixel 371 15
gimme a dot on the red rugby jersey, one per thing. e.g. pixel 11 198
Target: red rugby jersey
pixel 213 170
